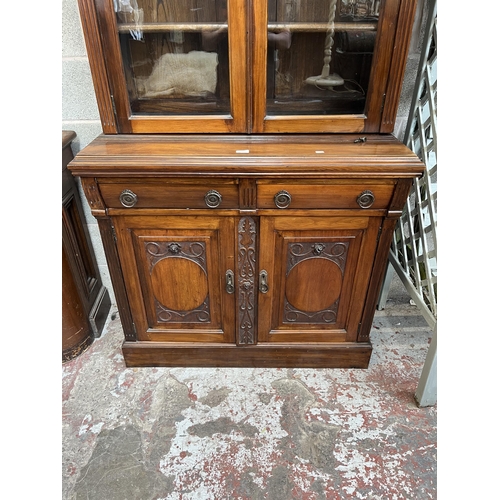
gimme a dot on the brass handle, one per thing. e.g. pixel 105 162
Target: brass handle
pixel 282 199
pixel 366 199
pixel 229 281
pixel 263 286
pixel 128 198
pixel 213 198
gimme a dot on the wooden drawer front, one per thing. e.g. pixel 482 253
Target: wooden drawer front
pixel 158 195
pixel 324 196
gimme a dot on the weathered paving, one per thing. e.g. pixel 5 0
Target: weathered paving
pixel 256 434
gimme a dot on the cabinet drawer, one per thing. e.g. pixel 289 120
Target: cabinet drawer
pixel 324 196
pixel 170 195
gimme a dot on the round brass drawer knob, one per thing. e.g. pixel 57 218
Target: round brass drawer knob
pixel 366 199
pixel 282 199
pixel 128 198
pixel 213 198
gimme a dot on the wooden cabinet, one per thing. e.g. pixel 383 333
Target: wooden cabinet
pixel 85 301
pixel 259 250
pixel 246 187
pixel 247 66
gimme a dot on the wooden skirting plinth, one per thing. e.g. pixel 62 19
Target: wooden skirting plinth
pixel 345 355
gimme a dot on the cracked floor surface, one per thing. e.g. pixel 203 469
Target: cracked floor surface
pixel 252 433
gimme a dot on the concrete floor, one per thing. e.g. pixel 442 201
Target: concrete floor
pixel 276 434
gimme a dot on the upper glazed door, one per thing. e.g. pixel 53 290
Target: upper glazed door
pixel 172 66
pixel 247 66
pixel 328 65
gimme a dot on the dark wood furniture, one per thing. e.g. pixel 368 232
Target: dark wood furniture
pixel 273 257
pixel 85 301
pixel 246 185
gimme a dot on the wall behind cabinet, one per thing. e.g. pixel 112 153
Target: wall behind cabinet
pixel 79 111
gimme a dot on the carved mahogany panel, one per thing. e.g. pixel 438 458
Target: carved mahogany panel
pixel 247 280
pixel 179 280
pixel 310 300
pixel 175 279
pixel 175 276
pixel 315 266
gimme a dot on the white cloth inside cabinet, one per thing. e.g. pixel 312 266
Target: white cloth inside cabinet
pixel 194 73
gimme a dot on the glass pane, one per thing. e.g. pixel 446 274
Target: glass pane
pixel 175 55
pixel 319 55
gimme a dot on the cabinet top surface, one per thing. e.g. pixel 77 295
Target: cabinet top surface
pixel 246 155
pixel 67 137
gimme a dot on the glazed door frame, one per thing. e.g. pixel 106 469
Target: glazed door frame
pixel 382 97
pixel 105 57
pixel 248 47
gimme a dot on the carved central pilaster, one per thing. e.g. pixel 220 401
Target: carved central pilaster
pixel 246 281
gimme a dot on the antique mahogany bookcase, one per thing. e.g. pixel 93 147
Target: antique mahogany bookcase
pixel 246 183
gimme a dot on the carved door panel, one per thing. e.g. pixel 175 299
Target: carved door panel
pixel 316 272
pixel 175 274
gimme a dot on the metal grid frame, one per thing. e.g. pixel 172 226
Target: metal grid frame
pixel 413 252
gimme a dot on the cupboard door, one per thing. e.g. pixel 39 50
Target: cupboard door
pixel 177 66
pixel 317 271
pixel 175 276
pixel 328 65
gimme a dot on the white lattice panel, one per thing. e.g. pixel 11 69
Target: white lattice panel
pixel 414 248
